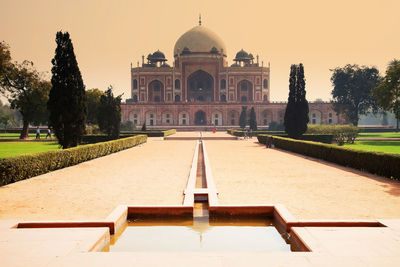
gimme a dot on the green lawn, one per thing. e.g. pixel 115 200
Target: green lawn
pixel 16 135
pixel 380 135
pixel 381 146
pixel 10 149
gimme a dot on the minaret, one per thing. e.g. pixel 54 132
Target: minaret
pixel 199 19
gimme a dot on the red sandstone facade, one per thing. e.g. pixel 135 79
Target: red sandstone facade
pixel 200 89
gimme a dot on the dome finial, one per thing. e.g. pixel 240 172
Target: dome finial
pixel 199 19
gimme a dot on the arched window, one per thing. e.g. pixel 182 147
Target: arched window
pixel 243 99
pixel 223 98
pixel 135 98
pixel 177 98
pixel 134 84
pixel 244 86
pixel 156 98
pixel 156 87
pixel 223 84
pixel 265 84
pixel 177 84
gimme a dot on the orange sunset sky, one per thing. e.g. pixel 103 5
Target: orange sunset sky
pixel 109 35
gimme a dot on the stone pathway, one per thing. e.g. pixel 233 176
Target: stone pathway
pixel 246 172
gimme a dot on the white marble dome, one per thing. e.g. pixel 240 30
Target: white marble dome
pixel 199 39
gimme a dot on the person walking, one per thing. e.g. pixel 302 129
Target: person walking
pixel 48 133
pixel 37 133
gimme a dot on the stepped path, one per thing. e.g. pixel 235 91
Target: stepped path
pixel 244 171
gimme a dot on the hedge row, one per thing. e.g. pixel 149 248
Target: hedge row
pixel 240 133
pixel 341 133
pixel 380 163
pixel 152 133
pixel 97 138
pixel 22 167
pixel 322 138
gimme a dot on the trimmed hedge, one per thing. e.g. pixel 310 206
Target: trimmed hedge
pixel 322 138
pixel 341 133
pixel 153 133
pixel 22 167
pixel 240 133
pixel 97 138
pixel 380 163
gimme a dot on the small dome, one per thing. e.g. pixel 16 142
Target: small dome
pixel 199 39
pixel 158 54
pixel 242 54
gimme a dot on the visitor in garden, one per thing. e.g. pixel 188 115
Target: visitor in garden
pixel 48 133
pixel 250 133
pixel 268 143
pixel 37 133
pixel 245 134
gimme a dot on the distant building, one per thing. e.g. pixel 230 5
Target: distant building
pixel 200 89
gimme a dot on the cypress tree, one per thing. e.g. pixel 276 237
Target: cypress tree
pixel 109 114
pixel 67 100
pixel 243 117
pixel 301 102
pixel 296 114
pixel 290 112
pixel 253 121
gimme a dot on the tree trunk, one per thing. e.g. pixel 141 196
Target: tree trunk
pixel 25 129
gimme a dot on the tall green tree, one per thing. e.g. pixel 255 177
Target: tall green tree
pixel 24 88
pixel 388 91
pixel 109 114
pixel 93 102
pixel 253 120
pixel 243 117
pixel 296 113
pixel 352 86
pixel 67 103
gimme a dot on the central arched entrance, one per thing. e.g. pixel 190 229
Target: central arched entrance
pixel 200 118
pixel 200 87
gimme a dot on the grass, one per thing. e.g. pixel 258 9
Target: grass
pixel 16 135
pixel 380 135
pixel 10 149
pixel 381 146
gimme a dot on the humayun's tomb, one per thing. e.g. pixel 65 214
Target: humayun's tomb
pixel 200 89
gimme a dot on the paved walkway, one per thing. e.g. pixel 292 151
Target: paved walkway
pixel 246 172
pixel 153 173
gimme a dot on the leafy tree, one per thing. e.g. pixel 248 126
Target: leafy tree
pixel 296 114
pixel 128 126
pixel 253 121
pixel 67 103
pixel 5 59
pixel 388 91
pixel 93 102
pixel 14 115
pixel 243 117
pixel 352 90
pixel 109 114
pixel 4 119
pixel 24 89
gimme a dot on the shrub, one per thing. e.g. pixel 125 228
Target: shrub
pixel 341 133
pixel 380 163
pixel 22 167
pixel 152 133
pixel 92 129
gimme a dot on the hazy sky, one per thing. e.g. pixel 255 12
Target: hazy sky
pixel 109 35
